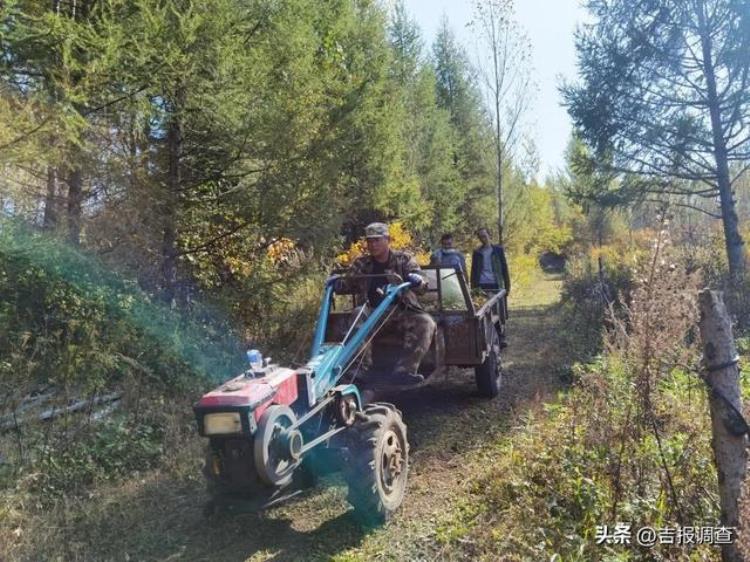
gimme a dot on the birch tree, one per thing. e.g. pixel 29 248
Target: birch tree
pixel 505 68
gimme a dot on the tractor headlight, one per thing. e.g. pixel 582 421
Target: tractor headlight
pixel 222 423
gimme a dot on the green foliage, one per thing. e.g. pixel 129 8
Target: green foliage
pixel 457 92
pixel 69 322
pixel 116 448
pixel 586 461
pixel 534 226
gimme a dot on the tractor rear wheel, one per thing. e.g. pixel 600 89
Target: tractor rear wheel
pixel 377 470
pixel 490 373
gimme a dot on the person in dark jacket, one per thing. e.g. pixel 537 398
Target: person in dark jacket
pixel 489 268
pixel 489 271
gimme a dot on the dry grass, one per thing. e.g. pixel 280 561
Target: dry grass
pixel 628 443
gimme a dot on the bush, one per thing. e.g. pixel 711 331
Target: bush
pixel 628 443
pixel 117 447
pixel 65 320
pixel 72 330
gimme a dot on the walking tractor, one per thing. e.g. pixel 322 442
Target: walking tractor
pixel 273 429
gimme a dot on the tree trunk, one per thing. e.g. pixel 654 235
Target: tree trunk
pixel 169 214
pixel 50 200
pixel 500 221
pixel 732 238
pixel 498 76
pixel 499 151
pixel 75 205
pixel 728 426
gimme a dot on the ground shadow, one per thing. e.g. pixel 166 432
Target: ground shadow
pixel 163 520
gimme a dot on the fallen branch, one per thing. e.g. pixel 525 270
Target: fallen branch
pixel 11 421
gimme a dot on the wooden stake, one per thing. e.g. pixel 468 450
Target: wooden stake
pixel 728 426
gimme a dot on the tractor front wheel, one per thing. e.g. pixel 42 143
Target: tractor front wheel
pixel 379 463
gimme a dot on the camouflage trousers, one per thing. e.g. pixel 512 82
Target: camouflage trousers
pixel 416 329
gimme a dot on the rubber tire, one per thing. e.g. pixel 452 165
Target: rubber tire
pixel 373 505
pixel 489 375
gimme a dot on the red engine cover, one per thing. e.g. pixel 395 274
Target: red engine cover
pixel 279 386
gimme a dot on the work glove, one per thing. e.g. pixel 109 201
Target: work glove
pixel 414 280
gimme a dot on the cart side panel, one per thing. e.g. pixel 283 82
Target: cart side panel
pixel 464 338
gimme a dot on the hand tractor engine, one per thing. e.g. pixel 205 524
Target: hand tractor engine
pixel 272 430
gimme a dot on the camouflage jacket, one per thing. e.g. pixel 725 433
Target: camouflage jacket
pixel 399 263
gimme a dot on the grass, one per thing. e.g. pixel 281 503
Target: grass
pixel 455 437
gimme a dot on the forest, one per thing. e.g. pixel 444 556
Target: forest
pixel 178 179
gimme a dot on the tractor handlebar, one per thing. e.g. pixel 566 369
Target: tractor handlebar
pixel 393 278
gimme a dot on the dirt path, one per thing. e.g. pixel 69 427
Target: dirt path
pixel 451 431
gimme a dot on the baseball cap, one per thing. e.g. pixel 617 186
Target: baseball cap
pixel 376 230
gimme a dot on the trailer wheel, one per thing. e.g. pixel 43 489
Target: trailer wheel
pixel 489 374
pixel 379 464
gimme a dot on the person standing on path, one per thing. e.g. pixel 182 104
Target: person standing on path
pixel 448 256
pixel 489 271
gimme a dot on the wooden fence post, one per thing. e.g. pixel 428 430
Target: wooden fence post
pixel 728 426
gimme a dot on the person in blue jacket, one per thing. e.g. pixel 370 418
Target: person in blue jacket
pixel 489 271
pixel 447 255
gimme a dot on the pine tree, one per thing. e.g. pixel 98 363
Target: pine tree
pixel 664 99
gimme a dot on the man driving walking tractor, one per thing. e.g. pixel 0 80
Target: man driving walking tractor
pixel 409 320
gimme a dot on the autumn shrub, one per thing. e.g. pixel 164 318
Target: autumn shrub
pixel 401 239
pixel 597 282
pixel 523 270
pixel 629 443
pixel 591 287
pixel 280 317
pixel 588 295
pixel 704 250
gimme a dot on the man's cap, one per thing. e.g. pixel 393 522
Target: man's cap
pixel 376 230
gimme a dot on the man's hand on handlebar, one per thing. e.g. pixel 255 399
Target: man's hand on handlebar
pixel 414 280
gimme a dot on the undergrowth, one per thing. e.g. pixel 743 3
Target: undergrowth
pixel 628 443
pixel 72 334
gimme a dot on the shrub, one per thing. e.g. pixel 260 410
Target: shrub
pixel 115 448
pixel 73 330
pixel 628 443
